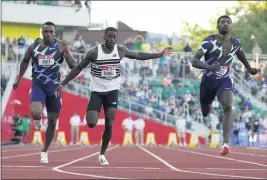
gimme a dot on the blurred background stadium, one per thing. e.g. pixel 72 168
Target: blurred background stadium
pixel 163 91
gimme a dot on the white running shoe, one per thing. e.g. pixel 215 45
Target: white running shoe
pixel 44 158
pixel 225 149
pixel 102 159
pixel 37 124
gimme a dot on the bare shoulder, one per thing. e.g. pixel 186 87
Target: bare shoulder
pixel 29 50
pixel 122 50
pixel 28 53
pixel 92 53
pixel 31 47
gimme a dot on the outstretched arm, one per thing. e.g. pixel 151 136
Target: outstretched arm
pixel 146 56
pixel 78 68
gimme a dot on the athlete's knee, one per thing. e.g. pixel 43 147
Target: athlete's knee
pixel 227 107
pixel 52 123
pixel 91 124
pixel 107 131
pixel 92 118
pixel 205 109
pixel 110 114
pixel 226 104
pixel 52 119
pixel 35 115
pixel 36 110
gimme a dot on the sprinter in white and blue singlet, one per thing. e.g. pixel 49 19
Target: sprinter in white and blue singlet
pixel 105 81
pixel 47 55
pixel 219 51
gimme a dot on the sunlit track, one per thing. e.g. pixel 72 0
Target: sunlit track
pixel 132 162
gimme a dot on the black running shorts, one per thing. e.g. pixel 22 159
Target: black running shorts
pixel 107 99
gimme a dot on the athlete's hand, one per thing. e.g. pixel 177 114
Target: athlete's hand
pixel 58 90
pixel 16 84
pixel 64 47
pixel 253 71
pixel 215 66
pixel 167 51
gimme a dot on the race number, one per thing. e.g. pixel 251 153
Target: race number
pixel 222 71
pixel 108 71
pixel 46 60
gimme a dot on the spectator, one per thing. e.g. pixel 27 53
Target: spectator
pixel 181 129
pixel 75 122
pixel 127 124
pixel 26 123
pixel 166 81
pixel 240 124
pixel 28 41
pixel 139 125
pixel 187 48
pixel 248 103
pixel 79 45
pixel 255 127
pixel 21 46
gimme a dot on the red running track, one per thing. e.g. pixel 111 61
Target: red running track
pixel 160 162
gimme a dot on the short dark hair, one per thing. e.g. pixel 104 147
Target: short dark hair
pixel 110 29
pixel 49 23
pixel 224 16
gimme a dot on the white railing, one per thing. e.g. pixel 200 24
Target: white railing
pixel 127 104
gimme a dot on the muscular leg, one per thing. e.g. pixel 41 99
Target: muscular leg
pixel 205 109
pixel 36 110
pixel 53 106
pixel 51 129
pixel 93 109
pixel 226 101
pixel 106 137
pixel 92 118
pixel 207 96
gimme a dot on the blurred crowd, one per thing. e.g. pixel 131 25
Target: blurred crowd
pixel 165 87
pixel 77 3
pixel 21 127
pixel 4 80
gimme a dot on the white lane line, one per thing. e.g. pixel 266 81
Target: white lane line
pixel 219 157
pixel 57 168
pixel 62 150
pixel 185 171
pixel 235 152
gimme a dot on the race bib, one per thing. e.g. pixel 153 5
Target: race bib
pixel 222 71
pixel 45 60
pixel 108 71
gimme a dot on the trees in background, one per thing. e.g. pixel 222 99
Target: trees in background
pixel 249 25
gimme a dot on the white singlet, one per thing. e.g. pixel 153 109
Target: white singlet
pixel 105 71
